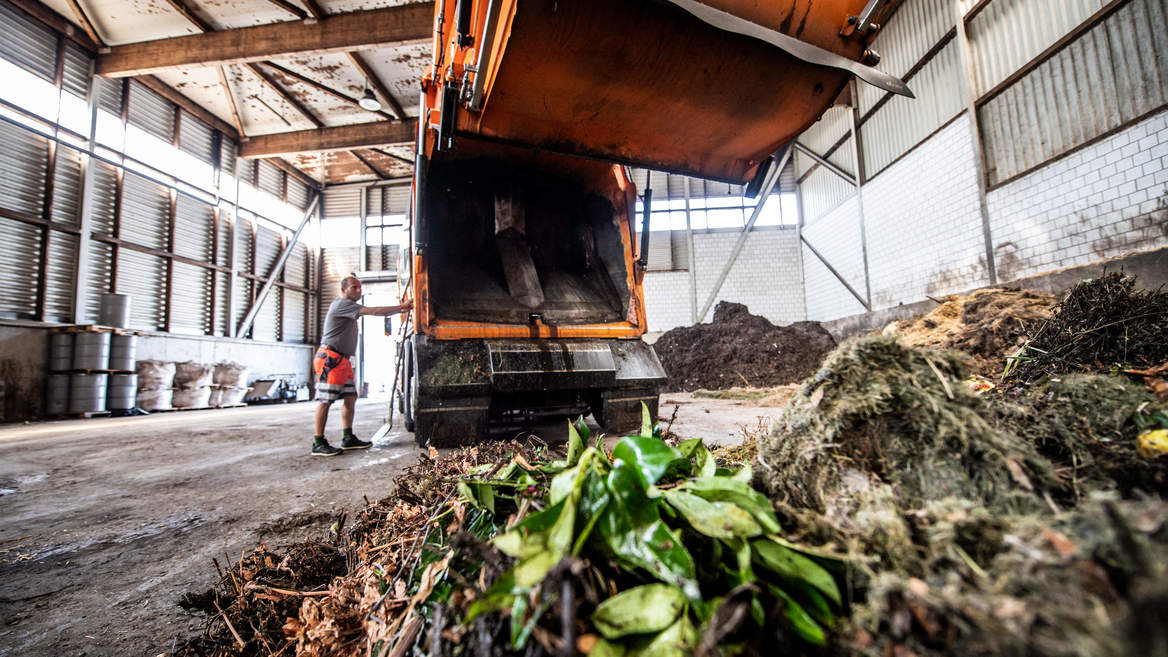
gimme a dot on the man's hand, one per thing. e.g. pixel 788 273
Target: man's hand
pixel 382 311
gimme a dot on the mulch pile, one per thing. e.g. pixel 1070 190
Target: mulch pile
pixel 739 348
pixel 1104 324
pixel 989 325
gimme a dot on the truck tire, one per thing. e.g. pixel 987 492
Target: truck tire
pixel 410 390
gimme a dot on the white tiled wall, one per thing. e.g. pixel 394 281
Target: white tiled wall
pixel 765 278
pixel 1105 200
pixel 836 236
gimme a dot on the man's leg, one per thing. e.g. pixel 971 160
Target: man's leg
pixel 326 393
pixel 322 411
pixel 347 413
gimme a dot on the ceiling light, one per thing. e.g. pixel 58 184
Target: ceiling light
pixel 369 101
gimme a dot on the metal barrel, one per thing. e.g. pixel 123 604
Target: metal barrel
pixel 57 394
pixel 115 310
pixel 123 352
pixel 91 351
pixel 60 353
pixel 87 392
pixel 122 392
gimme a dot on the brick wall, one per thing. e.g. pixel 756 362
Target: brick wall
pixel 1104 200
pixel 765 277
pixel 923 223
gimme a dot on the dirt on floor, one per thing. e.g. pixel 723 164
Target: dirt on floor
pixel 740 349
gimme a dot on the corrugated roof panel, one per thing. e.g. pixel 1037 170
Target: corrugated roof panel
pixel 913 30
pixel 27 44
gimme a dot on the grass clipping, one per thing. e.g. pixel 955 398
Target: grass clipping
pixel 968 537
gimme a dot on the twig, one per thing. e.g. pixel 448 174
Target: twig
pixel 229 626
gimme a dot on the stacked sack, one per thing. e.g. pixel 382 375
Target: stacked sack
pixel 155 385
pixel 229 384
pixel 192 384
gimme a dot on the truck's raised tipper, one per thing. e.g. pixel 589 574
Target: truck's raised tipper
pixel 524 271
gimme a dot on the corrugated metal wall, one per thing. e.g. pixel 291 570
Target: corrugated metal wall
pixel 130 215
pixel 1111 75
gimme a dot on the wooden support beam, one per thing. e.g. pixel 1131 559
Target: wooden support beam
pixel 85 23
pixel 336 138
pixel 289 98
pixel 230 102
pixel 189 14
pixel 373 28
pixel 339 95
pixel 368 165
pixel 293 171
pixel 376 83
pixel 166 91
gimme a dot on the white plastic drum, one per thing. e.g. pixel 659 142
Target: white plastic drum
pixel 123 353
pixel 61 354
pixel 91 351
pixel 115 310
pixel 57 394
pixel 87 392
pixel 122 392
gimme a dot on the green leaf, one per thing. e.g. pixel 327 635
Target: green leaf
pixel 745 475
pixel 678 640
pixel 606 648
pixel 530 571
pixel 722 489
pixel 714 519
pixel 803 624
pixel 480 496
pixel 529 536
pixel 646 422
pixel 652 457
pixel 585 432
pixel 594 498
pixel 813 602
pixel 699 455
pixel 575 444
pixel 789 563
pixel 641 610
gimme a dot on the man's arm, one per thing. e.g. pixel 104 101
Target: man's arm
pixel 382 311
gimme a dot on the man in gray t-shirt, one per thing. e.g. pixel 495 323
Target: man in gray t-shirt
pixel 334 370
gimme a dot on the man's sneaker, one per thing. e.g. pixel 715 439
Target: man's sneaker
pixel 353 442
pixel 325 449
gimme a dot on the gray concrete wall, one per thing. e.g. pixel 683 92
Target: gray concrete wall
pixel 24 357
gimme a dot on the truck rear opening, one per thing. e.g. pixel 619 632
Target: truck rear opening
pixel 514 244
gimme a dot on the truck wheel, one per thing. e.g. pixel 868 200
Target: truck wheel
pixel 410 391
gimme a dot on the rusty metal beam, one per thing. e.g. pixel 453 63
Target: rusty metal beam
pixel 231 102
pixel 394 156
pixel 339 95
pixel 189 14
pixel 335 138
pixel 368 165
pixel 289 98
pixel 85 22
pixel 375 82
pixel 373 28
pixel 290 8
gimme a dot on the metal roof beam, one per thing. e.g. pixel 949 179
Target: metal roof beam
pixel 338 33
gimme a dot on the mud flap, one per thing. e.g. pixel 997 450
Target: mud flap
pixel 620 409
pixel 451 421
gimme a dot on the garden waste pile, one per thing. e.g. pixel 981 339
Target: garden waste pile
pixel 893 509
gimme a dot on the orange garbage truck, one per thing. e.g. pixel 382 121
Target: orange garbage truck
pixel 525 265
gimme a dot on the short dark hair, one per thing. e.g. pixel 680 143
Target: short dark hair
pixel 348 281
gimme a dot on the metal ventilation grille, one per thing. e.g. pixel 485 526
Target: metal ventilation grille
pixel 61 274
pixel 100 260
pixel 105 191
pixel 143 277
pixel 18 270
pixel 145 211
pixel 192 226
pixel 67 187
pixel 22 186
pixel 196 138
pixel 76 78
pixel 191 296
pixel 151 112
pixel 295 309
pixel 27 44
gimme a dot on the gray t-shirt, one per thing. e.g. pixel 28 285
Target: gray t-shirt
pixel 340 325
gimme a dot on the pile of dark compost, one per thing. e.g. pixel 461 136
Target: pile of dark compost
pixel 989 325
pixel 739 348
pixel 1104 324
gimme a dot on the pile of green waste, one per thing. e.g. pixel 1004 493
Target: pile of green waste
pixel 975 524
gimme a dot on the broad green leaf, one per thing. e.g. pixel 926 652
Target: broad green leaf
pixel 641 610
pixel 582 428
pixel 575 444
pixel 646 422
pixel 562 484
pixel 593 499
pixel 606 648
pixel 812 601
pixel 803 624
pixel 714 519
pixel 498 597
pixel 652 457
pixel 531 571
pixel 518 611
pixel 721 489
pixel 480 496
pixel 678 640
pixel 789 563
pixel 529 536
pixel 828 560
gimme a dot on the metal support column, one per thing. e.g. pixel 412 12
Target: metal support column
pixel 858 158
pixel 85 221
pixel 969 88
pixel 277 268
pixel 799 243
pixel 693 259
pixel 232 265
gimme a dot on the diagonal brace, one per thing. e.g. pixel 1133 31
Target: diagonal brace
pixel 249 318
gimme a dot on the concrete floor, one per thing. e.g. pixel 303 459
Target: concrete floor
pixel 105 523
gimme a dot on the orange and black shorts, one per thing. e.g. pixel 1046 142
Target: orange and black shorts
pixel 334 375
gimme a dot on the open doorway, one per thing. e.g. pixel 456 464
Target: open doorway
pixel 377 353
